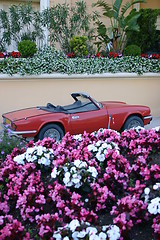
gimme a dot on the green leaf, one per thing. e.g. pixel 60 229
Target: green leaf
pixel 116 8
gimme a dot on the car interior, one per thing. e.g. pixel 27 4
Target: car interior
pixel 77 106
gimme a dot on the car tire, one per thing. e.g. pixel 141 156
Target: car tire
pixel 51 131
pixel 132 122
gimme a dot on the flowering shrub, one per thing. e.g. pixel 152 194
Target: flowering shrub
pixel 89 186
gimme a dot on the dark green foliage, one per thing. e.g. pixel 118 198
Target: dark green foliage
pixel 121 20
pixel 64 22
pixel 21 22
pixel 78 46
pixel 148 38
pixel 132 50
pixel 102 37
pixel 27 48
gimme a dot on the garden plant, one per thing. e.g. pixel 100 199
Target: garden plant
pixel 28 25
pixel 50 60
pixel 103 185
pixel 120 21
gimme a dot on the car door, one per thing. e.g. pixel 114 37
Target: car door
pixel 89 121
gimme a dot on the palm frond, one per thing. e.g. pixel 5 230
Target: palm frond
pixel 116 8
pixel 101 3
pixel 129 4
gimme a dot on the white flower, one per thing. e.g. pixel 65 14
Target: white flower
pixel 74 224
pixel 104 228
pixel 147 191
pixel 104 145
pixel 31 158
pixel 77 163
pixel 29 152
pixel 47 155
pixel 93 170
pixel 67 180
pixel 154 206
pixel 156 186
pixel 57 236
pixel 54 172
pixel 98 143
pixel 78 137
pixel 75 235
pixel 19 159
pixel 83 164
pixel 93 237
pixel 102 236
pixel 81 234
pixel 109 146
pixel 100 157
pixel 113 232
pixel 91 147
pixel 91 230
pixel 44 161
pixel 40 150
pixel 76 179
pixel 66 238
pixel 73 170
pixel 51 151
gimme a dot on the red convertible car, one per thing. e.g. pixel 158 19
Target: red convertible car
pixel 84 114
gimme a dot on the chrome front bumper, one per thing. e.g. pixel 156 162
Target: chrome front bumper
pixel 148 117
pixel 12 132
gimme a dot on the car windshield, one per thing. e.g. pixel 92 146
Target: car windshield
pixel 85 100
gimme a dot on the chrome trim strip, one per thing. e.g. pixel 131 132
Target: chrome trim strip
pixel 18 132
pixel 109 122
pixel 147 117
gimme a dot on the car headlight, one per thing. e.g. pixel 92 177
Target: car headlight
pixel 13 126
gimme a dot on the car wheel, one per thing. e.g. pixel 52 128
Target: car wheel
pixel 133 122
pixel 51 131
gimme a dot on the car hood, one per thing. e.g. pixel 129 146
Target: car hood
pixel 113 104
pixel 25 113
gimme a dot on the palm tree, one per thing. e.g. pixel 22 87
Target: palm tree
pixel 120 22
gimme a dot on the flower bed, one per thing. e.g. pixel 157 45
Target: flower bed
pixel 96 186
pixel 50 60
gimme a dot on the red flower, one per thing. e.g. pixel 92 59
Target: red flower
pixel 99 54
pixel 1 55
pixel 112 54
pixel 15 54
pixel 70 55
pixel 144 55
pixel 155 56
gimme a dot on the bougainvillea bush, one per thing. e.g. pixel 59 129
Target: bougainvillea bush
pixel 102 185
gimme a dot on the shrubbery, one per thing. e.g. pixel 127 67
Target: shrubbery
pixel 132 50
pixel 78 46
pixel 148 37
pixel 27 48
pixel 102 184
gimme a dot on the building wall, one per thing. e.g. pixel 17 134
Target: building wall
pixel 21 92
pixel 150 4
pixel 7 3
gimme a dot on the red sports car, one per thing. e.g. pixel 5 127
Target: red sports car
pixel 84 114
